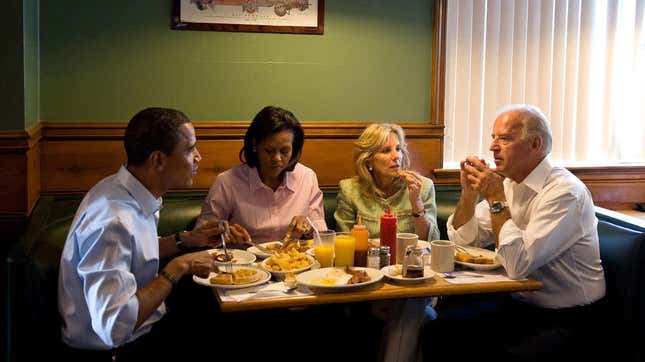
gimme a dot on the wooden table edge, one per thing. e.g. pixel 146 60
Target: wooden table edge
pixel 382 291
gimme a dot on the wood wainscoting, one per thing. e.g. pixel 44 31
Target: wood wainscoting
pixel 19 178
pixel 77 155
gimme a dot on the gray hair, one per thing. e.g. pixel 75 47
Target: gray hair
pixel 534 123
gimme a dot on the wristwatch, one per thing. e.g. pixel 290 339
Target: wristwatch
pixel 497 206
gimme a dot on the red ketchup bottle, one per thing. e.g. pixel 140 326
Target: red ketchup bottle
pixel 388 233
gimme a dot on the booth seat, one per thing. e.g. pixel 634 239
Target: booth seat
pixel 33 322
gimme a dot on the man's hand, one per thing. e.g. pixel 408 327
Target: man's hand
pixel 209 235
pixel 200 263
pixel 488 183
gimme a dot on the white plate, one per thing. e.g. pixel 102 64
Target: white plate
pixel 478 251
pixel 279 274
pixel 259 253
pixel 389 272
pixel 241 257
pixel 205 281
pixel 313 279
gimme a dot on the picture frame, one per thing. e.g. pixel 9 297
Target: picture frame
pixel 260 16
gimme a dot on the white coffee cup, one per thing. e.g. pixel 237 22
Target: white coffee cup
pixel 442 256
pixel 403 240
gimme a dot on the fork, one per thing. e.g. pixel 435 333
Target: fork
pixel 228 263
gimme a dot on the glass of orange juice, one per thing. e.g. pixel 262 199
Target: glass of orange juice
pixel 324 248
pixel 344 245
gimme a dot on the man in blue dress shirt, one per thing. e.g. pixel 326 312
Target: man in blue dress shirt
pixel 111 291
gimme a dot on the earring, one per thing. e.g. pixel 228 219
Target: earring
pixel 370 168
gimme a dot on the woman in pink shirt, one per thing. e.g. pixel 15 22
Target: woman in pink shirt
pixel 270 193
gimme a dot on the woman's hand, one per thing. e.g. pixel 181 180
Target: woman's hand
pixel 299 226
pixel 414 183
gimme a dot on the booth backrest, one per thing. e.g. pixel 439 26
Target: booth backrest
pixel 622 251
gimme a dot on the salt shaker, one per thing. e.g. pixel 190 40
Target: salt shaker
pixel 374 258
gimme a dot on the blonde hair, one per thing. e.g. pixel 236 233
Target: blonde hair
pixel 367 144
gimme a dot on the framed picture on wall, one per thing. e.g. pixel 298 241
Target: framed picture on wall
pixel 261 16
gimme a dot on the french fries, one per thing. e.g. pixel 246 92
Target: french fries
pixel 290 259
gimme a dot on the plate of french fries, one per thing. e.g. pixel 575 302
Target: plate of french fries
pixel 476 258
pixel 291 260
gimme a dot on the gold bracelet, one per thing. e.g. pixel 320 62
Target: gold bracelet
pixel 169 277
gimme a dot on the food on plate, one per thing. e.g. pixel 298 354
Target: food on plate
pixel 396 270
pixel 273 246
pixel 473 259
pixel 291 259
pixel 358 276
pixel 240 276
pixel 323 281
pixel 222 258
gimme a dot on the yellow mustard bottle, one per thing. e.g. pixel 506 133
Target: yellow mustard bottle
pixel 360 233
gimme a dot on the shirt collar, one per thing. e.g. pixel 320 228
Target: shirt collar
pixel 149 204
pixel 536 179
pixel 255 183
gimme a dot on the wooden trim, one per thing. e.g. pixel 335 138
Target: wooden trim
pixel 437 84
pixel 226 130
pixel 20 141
pixel 613 187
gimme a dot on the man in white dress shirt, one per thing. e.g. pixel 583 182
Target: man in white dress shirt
pixel 541 219
pixel 111 292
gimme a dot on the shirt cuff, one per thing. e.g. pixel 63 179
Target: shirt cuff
pixel 509 232
pixel 466 233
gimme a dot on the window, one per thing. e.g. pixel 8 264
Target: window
pixel 582 62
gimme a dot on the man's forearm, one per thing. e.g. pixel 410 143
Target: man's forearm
pixel 463 213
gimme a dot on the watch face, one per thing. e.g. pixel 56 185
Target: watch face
pixel 496 207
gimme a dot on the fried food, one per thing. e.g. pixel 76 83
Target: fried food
pixel 479 259
pixel 291 259
pixel 358 276
pixel 238 277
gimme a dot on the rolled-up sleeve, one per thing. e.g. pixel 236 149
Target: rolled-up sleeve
pixel 476 232
pixel 109 287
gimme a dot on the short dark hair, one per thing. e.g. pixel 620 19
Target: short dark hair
pixel 152 129
pixel 269 121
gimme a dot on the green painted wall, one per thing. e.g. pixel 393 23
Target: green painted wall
pixel 105 60
pixel 31 61
pixel 19 65
pixel 11 68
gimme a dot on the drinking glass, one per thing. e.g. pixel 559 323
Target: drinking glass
pixel 344 247
pixel 324 248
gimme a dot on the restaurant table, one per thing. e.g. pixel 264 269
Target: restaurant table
pixel 383 290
